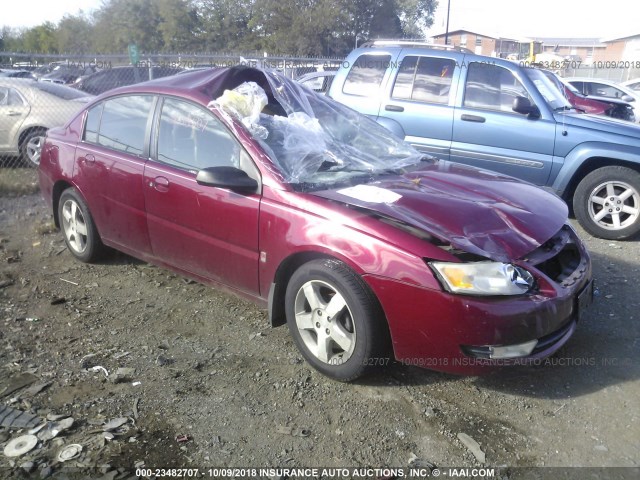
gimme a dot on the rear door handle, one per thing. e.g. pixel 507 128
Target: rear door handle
pixel 394 108
pixel 472 118
pixel 12 113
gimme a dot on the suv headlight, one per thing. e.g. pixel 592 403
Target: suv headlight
pixel 483 278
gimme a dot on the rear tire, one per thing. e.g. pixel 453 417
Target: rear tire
pixel 31 147
pixel 80 233
pixel 607 203
pixel 336 320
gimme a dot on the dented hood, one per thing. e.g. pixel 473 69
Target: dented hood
pixel 477 211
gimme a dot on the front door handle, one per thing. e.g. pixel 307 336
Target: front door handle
pixel 89 158
pixel 12 113
pixel 161 184
pixel 472 118
pixel 394 108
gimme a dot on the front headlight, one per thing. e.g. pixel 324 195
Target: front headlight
pixel 483 278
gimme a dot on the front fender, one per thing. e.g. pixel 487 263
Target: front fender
pixel 592 150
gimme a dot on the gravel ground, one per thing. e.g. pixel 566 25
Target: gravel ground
pixel 198 379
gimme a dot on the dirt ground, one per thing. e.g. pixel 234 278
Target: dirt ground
pixel 205 383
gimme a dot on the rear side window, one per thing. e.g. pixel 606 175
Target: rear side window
pixel 491 87
pixel 424 79
pixel 122 124
pixel 366 75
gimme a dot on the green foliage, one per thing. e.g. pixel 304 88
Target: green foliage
pixel 279 27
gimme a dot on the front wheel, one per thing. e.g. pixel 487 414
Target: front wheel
pixel 607 202
pixel 335 320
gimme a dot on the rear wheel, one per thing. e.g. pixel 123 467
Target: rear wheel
pixel 80 233
pixel 335 320
pixel 31 147
pixel 607 202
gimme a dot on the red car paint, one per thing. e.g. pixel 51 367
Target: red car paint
pixel 243 242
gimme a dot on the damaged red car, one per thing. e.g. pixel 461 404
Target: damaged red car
pixel 368 249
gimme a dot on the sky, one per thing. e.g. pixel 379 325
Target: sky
pixel 540 18
pixel 30 13
pixel 509 18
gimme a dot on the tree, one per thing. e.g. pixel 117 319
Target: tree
pixel 40 39
pixel 178 22
pixel 73 34
pixel 122 22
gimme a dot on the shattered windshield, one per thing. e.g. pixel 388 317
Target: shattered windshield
pixel 314 140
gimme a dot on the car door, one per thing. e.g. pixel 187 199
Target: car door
pixel 208 231
pixel 421 101
pixel 13 111
pixel 109 168
pixel 487 133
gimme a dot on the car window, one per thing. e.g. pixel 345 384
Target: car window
pixel 424 79
pixel 602 90
pixel 10 97
pixel 191 138
pixel 61 91
pixel 492 87
pixel 123 123
pixel 366 75
pixel 92 124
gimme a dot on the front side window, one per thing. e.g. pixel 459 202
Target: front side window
pixel 123 123
pixel 191 138
pixel 92 123
pixel 424 79
pixel 366 75
pixel 492 87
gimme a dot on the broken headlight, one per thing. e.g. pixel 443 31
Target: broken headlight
pixel 483 278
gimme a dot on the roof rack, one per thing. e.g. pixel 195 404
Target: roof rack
pixel 413 43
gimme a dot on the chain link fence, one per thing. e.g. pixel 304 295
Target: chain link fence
pixel 39 92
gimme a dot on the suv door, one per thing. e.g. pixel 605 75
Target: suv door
pixel 421 100
pixel 487 133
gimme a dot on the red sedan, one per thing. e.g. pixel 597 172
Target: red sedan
pixel 366 248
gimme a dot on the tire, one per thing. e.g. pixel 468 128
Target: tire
pixel 31 147
pixel 78 228
pixel 607 203
pixel 345 335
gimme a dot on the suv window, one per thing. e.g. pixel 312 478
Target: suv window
pixel 424 79
pixel 9 97
pixel 366 75
pixel 191 138
pixel 122 125
pixel 492 87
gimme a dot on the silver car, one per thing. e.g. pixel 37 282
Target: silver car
pixel 28 109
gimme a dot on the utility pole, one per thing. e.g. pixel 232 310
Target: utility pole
pixel 446 35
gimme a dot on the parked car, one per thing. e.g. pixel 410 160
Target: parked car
pixel 633 84
pixel 599 87
pixel 111 78
pixel 611 107
pixel 17 74
pixel 319 82
pixel 500 115
pixel 28 109
pixel 66 74
pixel 244 179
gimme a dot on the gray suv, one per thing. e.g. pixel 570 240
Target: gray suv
pixel 502 116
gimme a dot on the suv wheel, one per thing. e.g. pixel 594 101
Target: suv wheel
pixel 607 203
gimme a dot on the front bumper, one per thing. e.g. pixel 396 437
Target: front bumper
pixel 455 333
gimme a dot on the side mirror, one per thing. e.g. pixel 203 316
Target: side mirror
pixel 227 177
pixel 524 106
pixel 627 98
